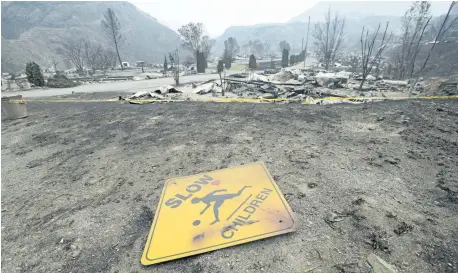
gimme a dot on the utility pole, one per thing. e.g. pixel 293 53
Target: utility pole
pixel 307 41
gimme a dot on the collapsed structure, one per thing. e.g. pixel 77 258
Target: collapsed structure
pixel 310 85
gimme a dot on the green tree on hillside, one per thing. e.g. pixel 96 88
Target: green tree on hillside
pixel 34 75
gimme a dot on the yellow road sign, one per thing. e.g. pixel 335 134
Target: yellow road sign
pixel 214 210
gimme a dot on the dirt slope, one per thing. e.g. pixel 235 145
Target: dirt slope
pixel 80 183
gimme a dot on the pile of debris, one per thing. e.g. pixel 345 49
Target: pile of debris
pixel 296 84
pixel 60 81
pixel 303 84
pixel 388 85
pixel 160 93
pixel 333 80
pixel 449 87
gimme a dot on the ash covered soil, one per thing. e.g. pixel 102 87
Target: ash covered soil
pixel 81 182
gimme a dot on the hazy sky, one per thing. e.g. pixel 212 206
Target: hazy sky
pixel 216 17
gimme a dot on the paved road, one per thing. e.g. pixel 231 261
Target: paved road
pixel 126 86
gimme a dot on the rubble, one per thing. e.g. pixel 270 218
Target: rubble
pixel 145 95
pixel 370 78
pixel 294 84
pixel 302 77
pixel 282 76
pixel 267 96
pixel 205 88
pixel 271 71
pixel 331 79
pixel 160 93
pixel 165 89
pixel 397 83
pixel 449 87
pixel 292 81
pixel 257 77
pixel 309 85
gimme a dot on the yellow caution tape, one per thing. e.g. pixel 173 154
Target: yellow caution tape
pixel 306 101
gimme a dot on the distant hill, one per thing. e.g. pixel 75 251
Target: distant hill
pixel 293 32
pixel 31 31
pixel 357 14
pixel 353 10
pixel 361 9
pixel 270 33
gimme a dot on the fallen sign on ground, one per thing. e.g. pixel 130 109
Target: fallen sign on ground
pixel 214 210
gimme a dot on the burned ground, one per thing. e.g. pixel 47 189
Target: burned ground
pixel 81 182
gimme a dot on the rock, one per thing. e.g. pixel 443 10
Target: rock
pixel 379 265
pixel 420 86
pixel 75 253
pixel 333 217
pixel 403 228
pixel 393 161
pixel 391 214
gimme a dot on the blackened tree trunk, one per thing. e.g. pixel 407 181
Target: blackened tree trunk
pixel 112 30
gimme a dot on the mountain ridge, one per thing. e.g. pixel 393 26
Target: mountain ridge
pixel 32 31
